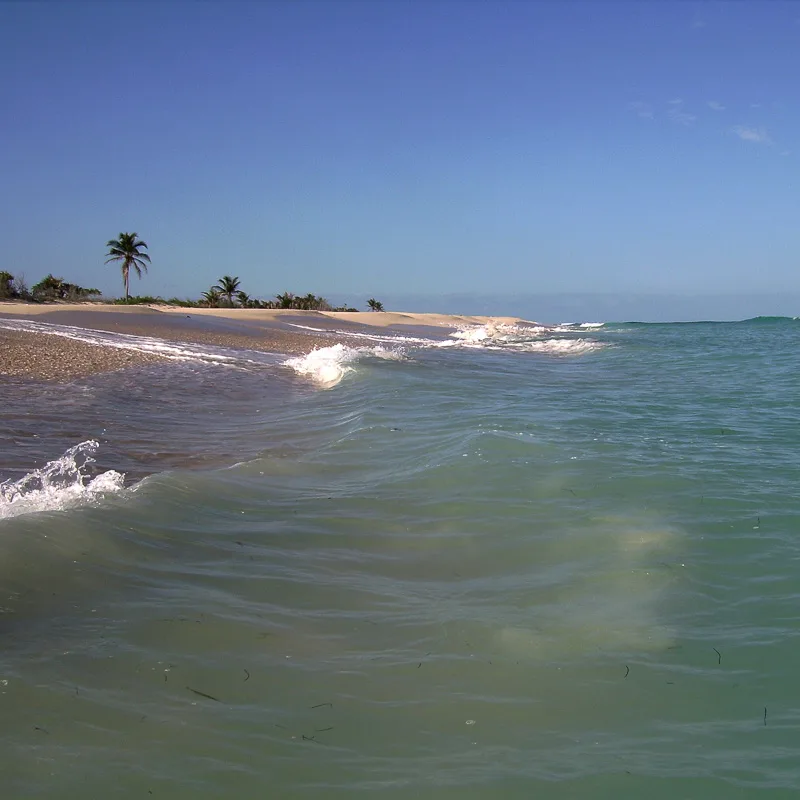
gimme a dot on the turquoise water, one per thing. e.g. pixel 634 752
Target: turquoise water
pixel 508 568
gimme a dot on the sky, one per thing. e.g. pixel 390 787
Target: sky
pixel 642 154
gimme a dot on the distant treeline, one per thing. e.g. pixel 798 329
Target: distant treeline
pixel 225 294
pixel 309 302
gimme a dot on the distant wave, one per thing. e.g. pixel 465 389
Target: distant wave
pixel 769 320
pixel 560 340
pixel 761 320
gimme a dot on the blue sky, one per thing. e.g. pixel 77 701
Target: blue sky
pixel 358 149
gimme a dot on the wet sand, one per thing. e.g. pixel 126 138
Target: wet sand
pixel 54 358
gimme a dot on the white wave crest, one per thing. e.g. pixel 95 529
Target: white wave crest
pixel 328 365
pixel 497 334
pixel 522 338
pixel 563 347
pixel 59 485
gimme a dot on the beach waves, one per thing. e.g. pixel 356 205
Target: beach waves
pixel 525 339
pixel 326 366
pixel 416 580
pixel 542 339
pixel 59 485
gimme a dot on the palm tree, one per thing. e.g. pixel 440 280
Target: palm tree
pixel 210 298
pixel 374 305
pixel 228 287
pixel 285 300
pixel 127 249
pixel 243 298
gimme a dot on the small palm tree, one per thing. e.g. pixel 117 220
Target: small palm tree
pixel 285 300
pixel 210 298
pixel 228 287
pixel 374 305
pixel 244 299
pixel 127 249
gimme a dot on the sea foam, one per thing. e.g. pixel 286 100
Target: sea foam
pixel 520 338
pixel 59 485
pixel 326 366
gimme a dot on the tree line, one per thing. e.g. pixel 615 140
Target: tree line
pixel 128 250
pixel 49 288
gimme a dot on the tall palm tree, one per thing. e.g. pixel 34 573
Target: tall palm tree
pixel 228 287
pixel 127 249
pixel 374 305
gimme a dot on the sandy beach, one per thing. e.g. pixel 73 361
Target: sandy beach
pixel 54 358
pixel 373 319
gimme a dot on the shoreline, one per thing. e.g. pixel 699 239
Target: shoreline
pixel 42 356
pixel 56 359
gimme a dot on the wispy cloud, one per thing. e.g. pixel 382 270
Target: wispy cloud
pixel 677 115
pixel 753 135
pixel 643 110
pixel 715 105
pixel 698 23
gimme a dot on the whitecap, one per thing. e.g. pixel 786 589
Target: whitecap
pixel 328 365
pixel 59 485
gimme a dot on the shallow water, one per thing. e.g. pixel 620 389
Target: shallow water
pixel 563 570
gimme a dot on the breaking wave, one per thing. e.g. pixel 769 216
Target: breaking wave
pixel 59 485
pixel 524 338
pixel 326 366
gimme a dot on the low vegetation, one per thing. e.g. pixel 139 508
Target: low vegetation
pixel 48 289
pixel 227 294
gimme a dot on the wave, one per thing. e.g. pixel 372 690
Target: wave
pixel 769 320
pixel 524 339
pixel 761 320
pixel 326 366
pixel 59 485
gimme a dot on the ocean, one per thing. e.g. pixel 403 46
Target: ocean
pixel 520 561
